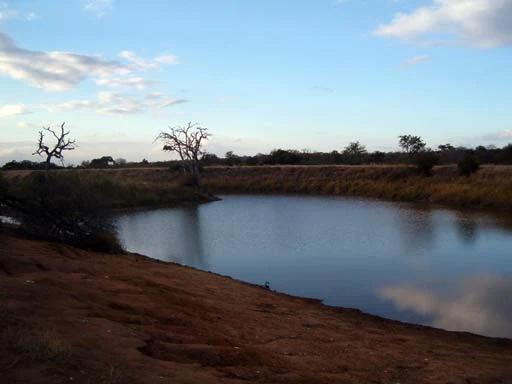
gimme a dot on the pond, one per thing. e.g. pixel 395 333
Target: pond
pixel 448 269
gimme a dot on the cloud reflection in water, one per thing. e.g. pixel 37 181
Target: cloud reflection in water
pixel 479 304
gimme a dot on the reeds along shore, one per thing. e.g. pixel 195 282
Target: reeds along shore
pixel 490 188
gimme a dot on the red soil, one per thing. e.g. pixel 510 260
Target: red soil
pixel 68 315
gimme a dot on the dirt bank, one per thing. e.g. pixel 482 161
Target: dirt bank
pixel 73 316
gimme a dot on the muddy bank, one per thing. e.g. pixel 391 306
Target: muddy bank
pixel 69 315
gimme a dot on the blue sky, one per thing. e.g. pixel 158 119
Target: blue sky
pixel 313 74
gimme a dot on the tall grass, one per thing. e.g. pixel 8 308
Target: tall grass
pixel 489 188
pixel 110 189
pixel 73 206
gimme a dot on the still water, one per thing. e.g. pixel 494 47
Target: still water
pixel 444 268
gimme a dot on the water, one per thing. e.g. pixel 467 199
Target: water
pixel 437 267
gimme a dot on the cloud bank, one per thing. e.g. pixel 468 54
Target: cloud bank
pixel 478 23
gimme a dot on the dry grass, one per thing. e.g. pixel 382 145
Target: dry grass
pixel 119 188
pixel 489 188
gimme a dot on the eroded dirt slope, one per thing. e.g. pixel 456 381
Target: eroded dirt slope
pixel 73 316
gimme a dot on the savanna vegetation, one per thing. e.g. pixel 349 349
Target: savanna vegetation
pixel 457 177
pixel 73 205
pixel 489 188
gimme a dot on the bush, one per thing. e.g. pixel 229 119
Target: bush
pixel 3 186
pixel 468 165
pixel 426 161
pixel 67 206
pixel 105 241
pixel 175 167
pixel 190 180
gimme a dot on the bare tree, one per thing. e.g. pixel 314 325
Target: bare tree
pixel 187 141
pixel 62 144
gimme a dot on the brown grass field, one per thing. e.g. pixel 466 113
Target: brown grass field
pixel 488 189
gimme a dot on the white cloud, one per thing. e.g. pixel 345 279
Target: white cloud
pixel 8 14
pixel 99 7
pixel 154 96
pixel 10 110
pixel 58 71
pixel 27 125
pixel 167 59
pixel 420 59
pixel 505 135
pixel 31 16
pixel 130 82
pixel 115 103
pixel 168 102
pixel 54 71
pixel 70 106
pixel 141 64
pixel 480 23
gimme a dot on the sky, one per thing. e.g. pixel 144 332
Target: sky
pixel 302 74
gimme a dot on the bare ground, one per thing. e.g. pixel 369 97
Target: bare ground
pixel 68 315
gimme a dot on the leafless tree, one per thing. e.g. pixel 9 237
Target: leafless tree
pixel 62 144
pixel 187 141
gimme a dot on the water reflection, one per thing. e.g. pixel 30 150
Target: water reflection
pixel 467 228
pixel 479 304
pixel 193 237
pixel 168 235
pixel 343 251
pixel 417 230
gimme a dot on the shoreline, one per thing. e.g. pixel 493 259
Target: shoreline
pixel 151 319
pixel 488 190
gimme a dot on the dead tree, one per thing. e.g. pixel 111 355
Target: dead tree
pixel 187 141
pixel 62 144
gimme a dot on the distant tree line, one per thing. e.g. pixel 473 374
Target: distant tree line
pixel 414 150
pixel 356 154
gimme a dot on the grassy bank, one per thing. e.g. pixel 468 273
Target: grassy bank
pixel 490 188
pixel 113 189
pixel 71 315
